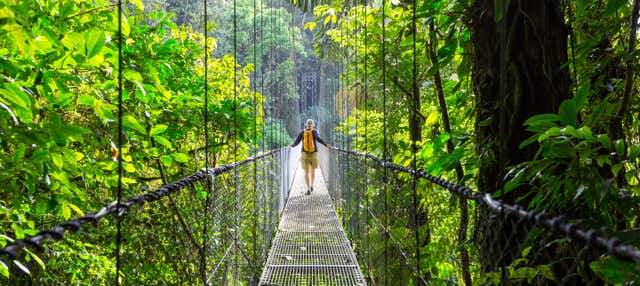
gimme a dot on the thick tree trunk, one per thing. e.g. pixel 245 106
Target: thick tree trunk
pixel 533 42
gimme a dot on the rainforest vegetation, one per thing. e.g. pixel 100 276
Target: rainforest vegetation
pixel 534 102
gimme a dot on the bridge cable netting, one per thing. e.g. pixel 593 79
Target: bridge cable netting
pixel 348 184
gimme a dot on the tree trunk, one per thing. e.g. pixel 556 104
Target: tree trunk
pixel 415 123
pixel 533 42
pixel 464 209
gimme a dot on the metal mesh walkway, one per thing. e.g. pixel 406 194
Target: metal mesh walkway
pixel 311 247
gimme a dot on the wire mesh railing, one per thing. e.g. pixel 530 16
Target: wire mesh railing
pixel 167 237
pixel 513 246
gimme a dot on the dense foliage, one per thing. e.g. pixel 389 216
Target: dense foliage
pixel 551 128
pixel 59 88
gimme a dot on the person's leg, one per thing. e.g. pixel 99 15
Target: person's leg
pixel 305 169
pixel 312 169
pixel 312 175
pixel 306 177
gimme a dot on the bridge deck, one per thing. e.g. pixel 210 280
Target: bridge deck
pixel 310 247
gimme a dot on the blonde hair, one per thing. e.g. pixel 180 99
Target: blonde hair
pixel 310 123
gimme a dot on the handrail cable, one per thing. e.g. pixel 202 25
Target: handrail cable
pixel 76 224
pixel 558 224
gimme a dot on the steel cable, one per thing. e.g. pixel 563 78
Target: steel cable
pixel 119 209
pixel 557 224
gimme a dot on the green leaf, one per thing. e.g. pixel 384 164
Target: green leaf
pixel 36 258
pixel 166 160
pixel 620 146
pixel 568 113
pixel 8 110
pixel 580 8
pixel 65 210
pixel 126 29
pixel 616 169
pixel 158 129
pixel 130 122
pixel 16 98
pixel 537 119
pixel 560 151
pixel 634 151
pixel 181 157
pixel 613 6
pixel 310 25
pixel 602 159
pixel 163 141
pixel 586 133
pixel 604 140
pixel 582 96
pixel 541 122
pixel 86 99
pixel 4 269
pixel 133 76
pixel 129 167
pixel 57 159
pixel 94 40
pixel 76 209
pixel 19 153
pixel 569 131
pixel 6 238
pixel 554 131
pixel 138 4
pixel 73 41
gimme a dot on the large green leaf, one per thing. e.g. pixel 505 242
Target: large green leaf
pixel 4 269
pixel 94 40
pixel 158 129
pixel 181 157
pixel 73 41
pixel 163 141
pixel 568 113
pixel 132 123
pixel 613 6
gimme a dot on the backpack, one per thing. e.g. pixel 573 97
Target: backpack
pixel 308 144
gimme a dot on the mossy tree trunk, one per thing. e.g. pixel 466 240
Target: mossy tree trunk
pixel 519 71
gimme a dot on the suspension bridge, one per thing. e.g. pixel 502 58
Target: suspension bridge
pixel 249 222
pixel 309 245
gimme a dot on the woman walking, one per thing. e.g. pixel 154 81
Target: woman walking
pixel 309 159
